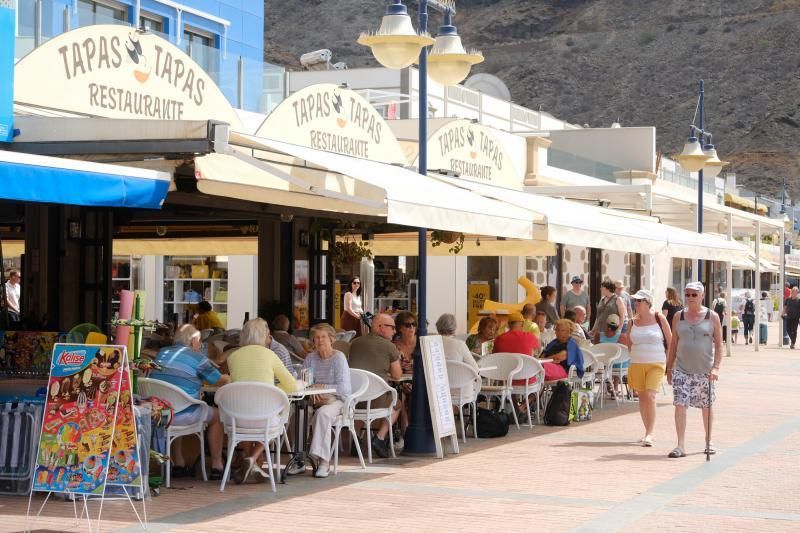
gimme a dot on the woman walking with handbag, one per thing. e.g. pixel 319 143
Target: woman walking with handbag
pixel 648 341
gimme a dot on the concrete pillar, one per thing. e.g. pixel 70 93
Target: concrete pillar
pixel 729 290
pixel 757 332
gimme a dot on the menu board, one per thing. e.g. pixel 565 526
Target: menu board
pixel 88 412
pixel 441 404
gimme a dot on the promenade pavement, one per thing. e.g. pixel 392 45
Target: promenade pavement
pixel 584 477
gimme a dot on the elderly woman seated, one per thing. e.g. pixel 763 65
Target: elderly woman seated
pixel 454 349
pixel 563 351
pixel 487 331
pixel 254 362
pixel 330 370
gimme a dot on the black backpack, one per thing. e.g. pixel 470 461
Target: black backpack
pixel 719 308
pixel 749 307
pixel 492 423
pixel 557 411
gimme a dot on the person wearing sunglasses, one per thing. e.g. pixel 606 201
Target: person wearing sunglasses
pixel 693 363
pixel 376 353
pixel 647 340
pixel 406 342
pixel 352 307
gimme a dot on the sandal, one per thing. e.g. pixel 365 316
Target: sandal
pixel 647 442
pixel 676 453
pixel 710 449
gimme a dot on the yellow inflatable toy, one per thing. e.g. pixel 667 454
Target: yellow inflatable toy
pixel 532 296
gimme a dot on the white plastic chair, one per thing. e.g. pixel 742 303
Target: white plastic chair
pixel 345 336
pixel 589 368
pixel 359 384
pixel 253 412
pixel 506 367
pixel 179 401
pixel 376 388
pixel 463 379
pixel 531 368
pixel 621 373
pixel 606 355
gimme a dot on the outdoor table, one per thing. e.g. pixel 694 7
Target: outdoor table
pixel 299 457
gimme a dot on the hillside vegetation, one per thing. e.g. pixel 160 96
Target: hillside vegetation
pixel 597 61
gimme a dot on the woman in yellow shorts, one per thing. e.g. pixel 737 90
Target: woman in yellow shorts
pixel 647 340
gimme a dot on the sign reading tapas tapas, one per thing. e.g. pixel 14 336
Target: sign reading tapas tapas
pixel 331 118
pixel 88 436
pixel 119 72
pixel 473 152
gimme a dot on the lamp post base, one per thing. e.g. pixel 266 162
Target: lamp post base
pixel 418 439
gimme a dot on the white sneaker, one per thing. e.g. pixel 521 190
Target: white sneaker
pixel 322 471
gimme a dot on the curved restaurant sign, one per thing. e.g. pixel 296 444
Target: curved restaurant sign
pixel 119 72
pixel 330 118
pixel 473 152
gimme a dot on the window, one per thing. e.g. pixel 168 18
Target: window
pixel 151 23
pixel 90 13
pixel 26 18
pixel 200 47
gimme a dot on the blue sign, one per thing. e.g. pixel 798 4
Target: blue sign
pixel 6 71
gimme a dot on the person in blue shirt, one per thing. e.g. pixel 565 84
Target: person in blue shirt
pixel 184 366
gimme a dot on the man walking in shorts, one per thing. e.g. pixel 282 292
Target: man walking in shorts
pixel 693 363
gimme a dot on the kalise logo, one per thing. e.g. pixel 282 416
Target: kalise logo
pixel 72 358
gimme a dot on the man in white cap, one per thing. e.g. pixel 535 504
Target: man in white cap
pixel 693 363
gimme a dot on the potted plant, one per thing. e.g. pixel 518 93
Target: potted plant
pixel 439 237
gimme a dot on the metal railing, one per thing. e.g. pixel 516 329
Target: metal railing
pixel 581 165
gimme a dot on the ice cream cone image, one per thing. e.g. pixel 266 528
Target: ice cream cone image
pixel 142 71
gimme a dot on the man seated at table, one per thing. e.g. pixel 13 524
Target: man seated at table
pixel 515 340
pixel 280 350
pixel 529 324
pixel 280 332
pixel 207 318
pixel 184 366
pixel 253 361
pixel 377 353
pixel 578 333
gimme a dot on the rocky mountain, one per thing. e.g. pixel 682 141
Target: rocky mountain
pixel 597 61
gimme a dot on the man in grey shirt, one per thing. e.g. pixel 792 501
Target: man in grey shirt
pixel 576 297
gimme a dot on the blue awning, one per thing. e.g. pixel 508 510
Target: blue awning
pixel 36 178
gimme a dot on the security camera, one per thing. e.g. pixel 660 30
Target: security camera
pixel 316 60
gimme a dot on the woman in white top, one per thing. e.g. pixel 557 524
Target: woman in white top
pixel 647 340
pixel 353 308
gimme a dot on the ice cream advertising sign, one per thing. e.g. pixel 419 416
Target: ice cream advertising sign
pixel 119 72
pixel 88 437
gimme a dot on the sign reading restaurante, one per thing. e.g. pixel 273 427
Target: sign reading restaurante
pixel 331 118
pixel 473 152
pixel 119 72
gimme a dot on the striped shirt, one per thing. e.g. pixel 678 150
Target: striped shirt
pixel 283 354
pixel 185 368
pixel 332 371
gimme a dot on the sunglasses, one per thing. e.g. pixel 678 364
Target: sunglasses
pixel 409 324
pixel 612 328
pixel 388 326
pixel 691 294
pixel 356 283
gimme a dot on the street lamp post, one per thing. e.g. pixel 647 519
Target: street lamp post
pixel 700 156
pixel 396 45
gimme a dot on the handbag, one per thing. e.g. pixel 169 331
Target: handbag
pixel 581 404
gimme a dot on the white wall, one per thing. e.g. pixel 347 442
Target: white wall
pixel 242 288
pixel 626 148
pixel 447 290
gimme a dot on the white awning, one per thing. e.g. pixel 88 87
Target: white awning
pixel 358 185
pixel 569 222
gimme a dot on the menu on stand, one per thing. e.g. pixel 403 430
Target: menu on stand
pixel 438 386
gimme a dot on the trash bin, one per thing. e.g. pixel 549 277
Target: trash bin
pixel 762 333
